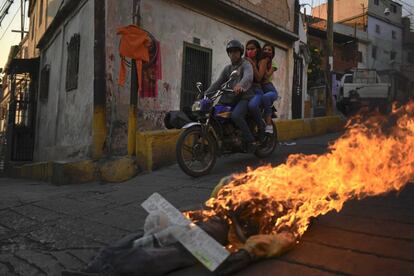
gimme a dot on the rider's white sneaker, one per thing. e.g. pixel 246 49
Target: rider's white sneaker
pixel 269 129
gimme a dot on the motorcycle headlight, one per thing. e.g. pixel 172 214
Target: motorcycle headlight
pixel 196 106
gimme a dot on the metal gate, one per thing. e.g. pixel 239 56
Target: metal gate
pixel 196 68
pixel 297 88
pixel 23 75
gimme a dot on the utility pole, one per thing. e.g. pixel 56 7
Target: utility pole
pixel 329 62
pixel 22 20
pixel 133 102
pixel 22 6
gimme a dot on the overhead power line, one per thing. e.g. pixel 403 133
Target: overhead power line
pixel 11 21
pixel 4 10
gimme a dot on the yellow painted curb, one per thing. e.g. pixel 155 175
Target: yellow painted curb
pixel 157 148
pixel 38 171
pixel 77 172
pixel 98 132
pixel 118 170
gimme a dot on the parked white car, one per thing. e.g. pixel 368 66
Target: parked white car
pixel 362 87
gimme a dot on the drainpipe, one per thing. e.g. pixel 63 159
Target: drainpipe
pixel 132 115
pixel 99 128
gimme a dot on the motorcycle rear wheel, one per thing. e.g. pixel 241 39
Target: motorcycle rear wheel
pixel 269 145
pixel 196 155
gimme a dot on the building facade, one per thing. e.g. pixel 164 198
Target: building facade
pixel 83 112
pixel 408 49
pixel 381 20
pixel 19 98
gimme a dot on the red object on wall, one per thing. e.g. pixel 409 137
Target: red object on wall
pixel 151 75
pixel 134 44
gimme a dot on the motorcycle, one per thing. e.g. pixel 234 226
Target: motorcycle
pixel 209 131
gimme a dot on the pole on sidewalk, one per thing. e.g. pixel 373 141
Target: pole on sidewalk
pixel 133 102
pixel 99 128
pixel 329 62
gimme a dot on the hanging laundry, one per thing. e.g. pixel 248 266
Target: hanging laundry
pixel 134 44
pixel 152 72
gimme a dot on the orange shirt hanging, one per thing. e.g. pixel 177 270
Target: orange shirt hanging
pixel 134 44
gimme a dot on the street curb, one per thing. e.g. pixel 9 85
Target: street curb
pixel 59 173
pixel 155 149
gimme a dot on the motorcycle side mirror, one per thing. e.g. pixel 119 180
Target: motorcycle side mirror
pixel 233 74
pixel 199 86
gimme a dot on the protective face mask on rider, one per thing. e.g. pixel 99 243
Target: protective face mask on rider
pixel 251 53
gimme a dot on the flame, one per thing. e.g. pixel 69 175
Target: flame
pixel 375 156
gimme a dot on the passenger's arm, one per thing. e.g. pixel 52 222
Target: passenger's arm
pixel 269 73
pixel 260 72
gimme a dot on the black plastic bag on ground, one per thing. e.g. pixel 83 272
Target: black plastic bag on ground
pixel 122 258
pixel 176 119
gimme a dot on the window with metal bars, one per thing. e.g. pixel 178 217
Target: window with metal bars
pixel 374 52
pixel 72 66
pixel 44 82
pixel 196 68
pixel 393 55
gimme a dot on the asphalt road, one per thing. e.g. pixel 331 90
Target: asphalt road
pixel 45 229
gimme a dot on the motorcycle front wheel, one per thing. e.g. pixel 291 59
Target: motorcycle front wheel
pixel 196 155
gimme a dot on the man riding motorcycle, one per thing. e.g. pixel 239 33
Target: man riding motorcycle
pixel 241 86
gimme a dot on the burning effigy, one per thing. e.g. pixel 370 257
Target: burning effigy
pixel 263 212
pixel 374 157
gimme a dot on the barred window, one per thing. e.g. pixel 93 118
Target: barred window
pixel 44 82
pixel 72 66
pixel 360 57
pixel 411 57
pixel 374 51
pixel 393 55
pixel 196 68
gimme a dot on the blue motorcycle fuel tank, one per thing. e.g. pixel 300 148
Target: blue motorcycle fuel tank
pixel 222 112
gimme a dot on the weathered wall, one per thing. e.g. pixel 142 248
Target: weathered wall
pixel 343 9
pixel 280 12
pixel 64 124
pixel 385 44
pixel 42 15
pixel 344 56
pixel 364 49
pixel 118 13
pixel 183 27
pixel 378 10
pixel 172 32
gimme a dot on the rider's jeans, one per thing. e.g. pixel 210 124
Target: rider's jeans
pixel 238 116
pixel 270 95
pixel 254 109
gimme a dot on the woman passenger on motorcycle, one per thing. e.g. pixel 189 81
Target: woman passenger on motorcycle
pixel 269 90
pixel 254 56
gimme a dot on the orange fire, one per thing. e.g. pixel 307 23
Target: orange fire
pixel 375 156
